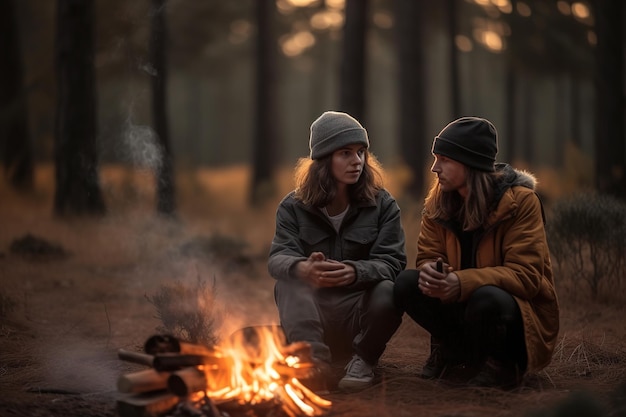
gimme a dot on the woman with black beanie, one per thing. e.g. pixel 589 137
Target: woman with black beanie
pixel 483 285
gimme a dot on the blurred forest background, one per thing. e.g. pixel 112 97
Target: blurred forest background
pixel 171 86
pixel 148 110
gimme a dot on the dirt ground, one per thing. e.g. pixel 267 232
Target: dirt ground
pixel 68 308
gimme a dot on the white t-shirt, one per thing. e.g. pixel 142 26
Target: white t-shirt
pixel 336 220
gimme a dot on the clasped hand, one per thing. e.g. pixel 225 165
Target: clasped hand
pixel 443 285
pixel 320 272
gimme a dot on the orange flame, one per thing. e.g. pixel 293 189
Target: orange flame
pixel 262 368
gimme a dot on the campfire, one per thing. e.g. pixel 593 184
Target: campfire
pixel 255 373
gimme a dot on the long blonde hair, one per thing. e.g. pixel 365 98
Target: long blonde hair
pixel 470 212
pixel 316 186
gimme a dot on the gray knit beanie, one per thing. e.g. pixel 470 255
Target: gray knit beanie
pixel 333 130
pixel 472 141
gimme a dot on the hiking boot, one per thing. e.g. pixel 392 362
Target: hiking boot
pixel 359 375
pixel 435 365
pixel 446 363
pixel 497 374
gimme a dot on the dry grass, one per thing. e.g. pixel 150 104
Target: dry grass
pixel 74 313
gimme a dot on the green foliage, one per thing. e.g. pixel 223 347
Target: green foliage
pixel 187 312
pixel 587 236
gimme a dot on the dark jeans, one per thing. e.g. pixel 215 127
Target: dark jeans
pixel 338 321
pixel 489 323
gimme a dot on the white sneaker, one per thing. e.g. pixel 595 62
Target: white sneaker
pixel 359 374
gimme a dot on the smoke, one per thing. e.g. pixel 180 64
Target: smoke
pixel 238 300
pixel 78 366
pixel 243 310
pixel 142 145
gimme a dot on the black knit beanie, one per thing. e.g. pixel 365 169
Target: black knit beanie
pixel 333 130
pixel 473 141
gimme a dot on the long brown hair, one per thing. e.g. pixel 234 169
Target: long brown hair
pixel 471 212
pixel 315 184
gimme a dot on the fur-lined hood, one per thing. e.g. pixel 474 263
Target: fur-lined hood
pixel 512 177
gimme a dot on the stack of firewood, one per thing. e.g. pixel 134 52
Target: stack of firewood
pixel 180 372
pixel 173 372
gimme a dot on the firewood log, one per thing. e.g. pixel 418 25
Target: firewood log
pixel 164 362
pixel 142 381
pixel 187 381
pixel 146 405
pixel 169 344
pixel 135 357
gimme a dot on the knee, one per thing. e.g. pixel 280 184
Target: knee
pixel 286 290
pixel 490 303
pixel 406 280
pixel 281 290
pixel 406 286
pixel 381 297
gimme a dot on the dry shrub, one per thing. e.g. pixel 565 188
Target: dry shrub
pixel 587 237
pixel 584 359
pixel 594 373
pixel 37 248
pixel 187 312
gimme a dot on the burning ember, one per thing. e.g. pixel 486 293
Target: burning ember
pixel 255 373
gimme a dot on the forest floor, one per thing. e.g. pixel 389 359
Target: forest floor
pixel 67 308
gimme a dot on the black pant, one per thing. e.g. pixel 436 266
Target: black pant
pixel 488 324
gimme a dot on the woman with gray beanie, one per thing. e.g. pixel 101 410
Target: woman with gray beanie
pixel 337 249
pixel 483 285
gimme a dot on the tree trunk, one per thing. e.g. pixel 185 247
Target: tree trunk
pixel 562 137
pixel 265 137
pixel 455 88
pixel 18 158
pixel 575 118
pixel 166 203
pixel 610 148
pixel 511 112
pixel 76 161
pixel 411 75
pixel 527 134
pixel 353 63
pixel 511 91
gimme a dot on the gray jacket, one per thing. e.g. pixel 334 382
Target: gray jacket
pixel 371 239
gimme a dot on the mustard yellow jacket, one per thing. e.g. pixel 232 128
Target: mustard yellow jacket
pixel 512 254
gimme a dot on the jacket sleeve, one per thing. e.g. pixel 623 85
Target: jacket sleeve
pixel 286 249
pixel 387 255
pixel 524 252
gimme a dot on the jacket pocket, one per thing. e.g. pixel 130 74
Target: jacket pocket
pixel 358 242
pixel 314 240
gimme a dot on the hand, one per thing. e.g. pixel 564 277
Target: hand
pixel 443 285
pixel 319 272
pixel 336 274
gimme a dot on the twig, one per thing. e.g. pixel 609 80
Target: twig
pixel 106 313
pixel 549 378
